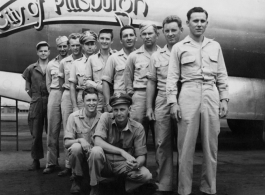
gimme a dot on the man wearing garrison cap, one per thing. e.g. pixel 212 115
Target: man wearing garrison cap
pixel 120 147
pixel 54 105
pixel 77 74
pixel 35 76
pixel 64 74
pixel 135 72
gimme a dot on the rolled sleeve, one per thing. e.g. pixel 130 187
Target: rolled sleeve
pixel 129 75
pixel 70 128
pixel 26 74
pixel 173 76
pixel 108 72
pixel 72 78
pixel 101 130
pixel 222 77
pixel 140 143
pixel 61 70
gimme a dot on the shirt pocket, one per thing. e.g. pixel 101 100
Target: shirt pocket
pixel 67 75
pixel 80 78
pixel 163 69
pixel 54 75
pixel 119 69
pixel 97 71
pixel 141 69
pixel 214 62
pixel 188 60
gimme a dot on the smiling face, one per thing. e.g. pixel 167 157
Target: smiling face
pixel 43 52
pixel 149 36
pixel 89 48
pixel 121 113
pixel 197 24
pixel 62 48
pixel 75 46
pixel 91 102
pixel 105 40
pixel 172 32
pixel 128 38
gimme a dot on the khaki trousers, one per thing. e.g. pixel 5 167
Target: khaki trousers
pixel 163 141
pixel 109 165
pixel 54 126
pixel 199 104
pixel 67 109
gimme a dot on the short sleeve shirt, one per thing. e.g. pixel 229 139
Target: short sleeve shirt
pixel 52 74
pixel 158 68
pixel 37 79
pixel 77 126
pixel 131 138
pixel 113 71
pixel 77 72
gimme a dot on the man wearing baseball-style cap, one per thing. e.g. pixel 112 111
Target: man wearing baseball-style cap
pixel 120 147
pixel 54 105
pixel 35 76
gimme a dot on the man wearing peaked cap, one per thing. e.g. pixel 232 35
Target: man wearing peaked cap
pixel 119 137
pixel 54 105
pixel 35 76
pixel 135 72
pixel 77 74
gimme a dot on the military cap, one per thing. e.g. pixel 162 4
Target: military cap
pixel 120 98
pixel 61 39
pixel 88 36
pixel 44 43
pixel 144 25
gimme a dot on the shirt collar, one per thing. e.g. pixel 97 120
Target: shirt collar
pixel 81 116
pixel 126 128
pixel 110 52
pixel 142 50
pixel 38 68
pixel 165 50
pixel 188 39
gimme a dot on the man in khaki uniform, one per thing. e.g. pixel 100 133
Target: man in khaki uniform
pixel 113 71
pixel 120 147
pixel 135 72
pixel 157 75
pixel 64 74
pixel 96 63
pixel 35 76
pixel 80 128
pixel 77 74
pixel 54 105
pixel 199 64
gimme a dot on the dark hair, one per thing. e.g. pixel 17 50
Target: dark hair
pixel 89 90
pixel 109 31
pixel 196 9
pixel 43 45
pixel 127 27
pixel 172 18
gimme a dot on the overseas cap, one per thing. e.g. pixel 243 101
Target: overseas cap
pixel 61 39
pixel 88 36
pixel 120 99
pixel 44 43
pixel 144 25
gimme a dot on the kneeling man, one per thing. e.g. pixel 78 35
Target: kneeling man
pixel 80 128
pixel 120 147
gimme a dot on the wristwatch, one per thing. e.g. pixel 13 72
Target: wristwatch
pixel 226 99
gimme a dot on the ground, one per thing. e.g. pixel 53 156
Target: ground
pixel 241 169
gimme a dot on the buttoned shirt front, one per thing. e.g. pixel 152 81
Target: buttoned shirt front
pixel 190 61
pixel 78 127
pixel 113 71
pixel 158 68
pixel 52 74
pixel 131 138
pixel 65 68
pixel 37 79
pixel 77 72
pixel 94 67
pixel 136 69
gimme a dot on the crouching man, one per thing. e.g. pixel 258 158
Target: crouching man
pixel 120 147
pixel 80 128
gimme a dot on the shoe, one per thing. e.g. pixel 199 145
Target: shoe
pixel 163 193
pixel 49 170
pixel 94 190
pixel 65 172
pixel 76 185
pixel 34 166
pixel 207 194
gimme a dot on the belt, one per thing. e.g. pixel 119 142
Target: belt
pixel 200 82
pixel 139 89
pixel 162 93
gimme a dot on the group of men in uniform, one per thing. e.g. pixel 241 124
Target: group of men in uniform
pixel 132 87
